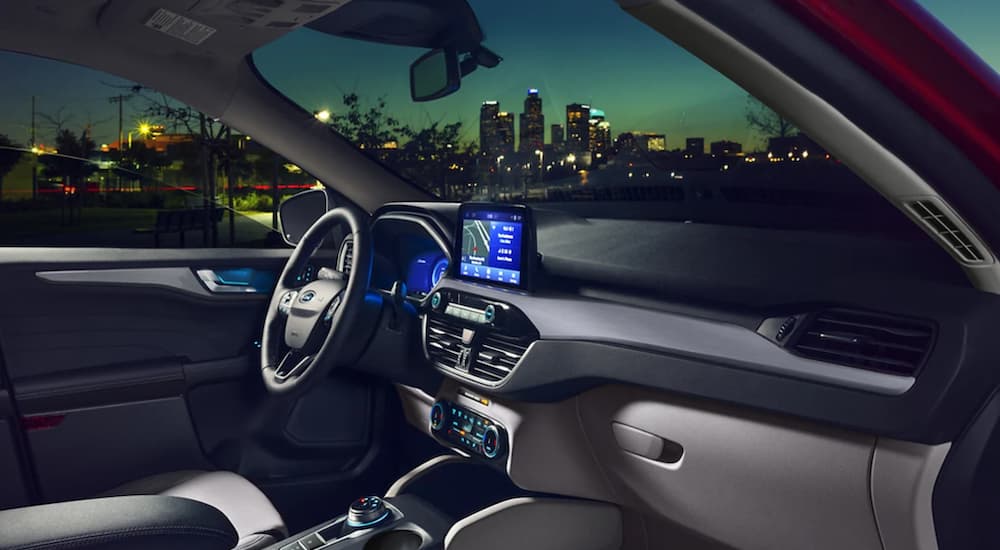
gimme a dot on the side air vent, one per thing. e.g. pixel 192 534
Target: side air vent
pixel 866 340
pixel 444 342
pixel 346 261
pixel 948 231
pixel 497 357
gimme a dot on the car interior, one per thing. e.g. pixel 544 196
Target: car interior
pixel 406 371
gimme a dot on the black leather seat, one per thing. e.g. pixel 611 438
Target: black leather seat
pixel 258 524
pixel 117 523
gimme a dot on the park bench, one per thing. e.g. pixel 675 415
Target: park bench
pixel 180 222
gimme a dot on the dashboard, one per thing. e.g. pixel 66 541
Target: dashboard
pixel 592 307
pixel 692 333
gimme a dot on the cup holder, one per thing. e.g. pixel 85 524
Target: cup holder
pixel 395 540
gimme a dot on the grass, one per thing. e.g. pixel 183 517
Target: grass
pixel 23 223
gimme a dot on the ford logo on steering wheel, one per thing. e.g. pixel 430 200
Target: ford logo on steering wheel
pixel 307 297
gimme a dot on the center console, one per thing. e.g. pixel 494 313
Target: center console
pixel 469 336
pixel 373 523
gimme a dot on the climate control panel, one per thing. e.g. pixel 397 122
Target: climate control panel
pixel 468 430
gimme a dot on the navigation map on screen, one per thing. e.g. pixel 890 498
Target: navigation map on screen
pixel 491 246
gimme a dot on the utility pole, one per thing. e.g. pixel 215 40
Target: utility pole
pixel 229 185
pixel 120 99
pixel 274 192
pixel 34 153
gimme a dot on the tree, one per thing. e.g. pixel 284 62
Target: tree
pixel 433 154
pixel 56 121
pixel 368 128
pixel 139 163
pixel 10 155
pixel 766 122
pixel 72 160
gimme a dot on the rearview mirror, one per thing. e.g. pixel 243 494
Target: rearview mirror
pixel 435 74
pixel 298 213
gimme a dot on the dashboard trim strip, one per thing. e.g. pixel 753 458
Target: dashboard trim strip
pixel 572 318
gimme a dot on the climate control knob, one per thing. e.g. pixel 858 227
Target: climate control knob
pixel 437 417
pixel 491 442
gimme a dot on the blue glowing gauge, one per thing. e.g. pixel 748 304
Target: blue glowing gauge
pixel 440 268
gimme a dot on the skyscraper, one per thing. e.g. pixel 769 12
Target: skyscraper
pixel 694 147
pixel 577 128
pixel 505 133
pixel 598 133
pixel 488 142
pixel 651 143
pixel 725 148
pixel 532 124
pixel 558 138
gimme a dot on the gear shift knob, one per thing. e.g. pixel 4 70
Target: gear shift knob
pixel 366 512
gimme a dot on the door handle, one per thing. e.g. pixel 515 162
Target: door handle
pixel 236 281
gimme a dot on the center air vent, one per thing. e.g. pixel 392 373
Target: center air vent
pixel 346 261
pixel 444 342
pixel 497 357
pixel 866 340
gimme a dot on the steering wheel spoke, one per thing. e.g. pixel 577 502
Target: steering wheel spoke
pixel 294 363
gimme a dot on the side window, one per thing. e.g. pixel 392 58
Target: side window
pixel 87 159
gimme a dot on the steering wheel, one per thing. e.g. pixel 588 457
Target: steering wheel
pixel 307 327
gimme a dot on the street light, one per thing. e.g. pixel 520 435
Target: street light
pixel 499 178
pixel 541 173
pixel 322 116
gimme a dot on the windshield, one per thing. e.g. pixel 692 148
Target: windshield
pixel 578 101
pixel 588 107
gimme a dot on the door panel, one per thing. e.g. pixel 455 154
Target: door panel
pixel 12 478
pixel 127 365
pixel 94 449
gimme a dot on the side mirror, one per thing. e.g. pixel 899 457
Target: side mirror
pixel 435 74
pixel 297 214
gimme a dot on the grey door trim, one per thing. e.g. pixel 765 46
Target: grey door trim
pixel 173 278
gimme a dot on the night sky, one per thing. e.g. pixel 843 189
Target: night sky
pixel 596 54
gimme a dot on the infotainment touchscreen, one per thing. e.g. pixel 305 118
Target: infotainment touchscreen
pixel 496 244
